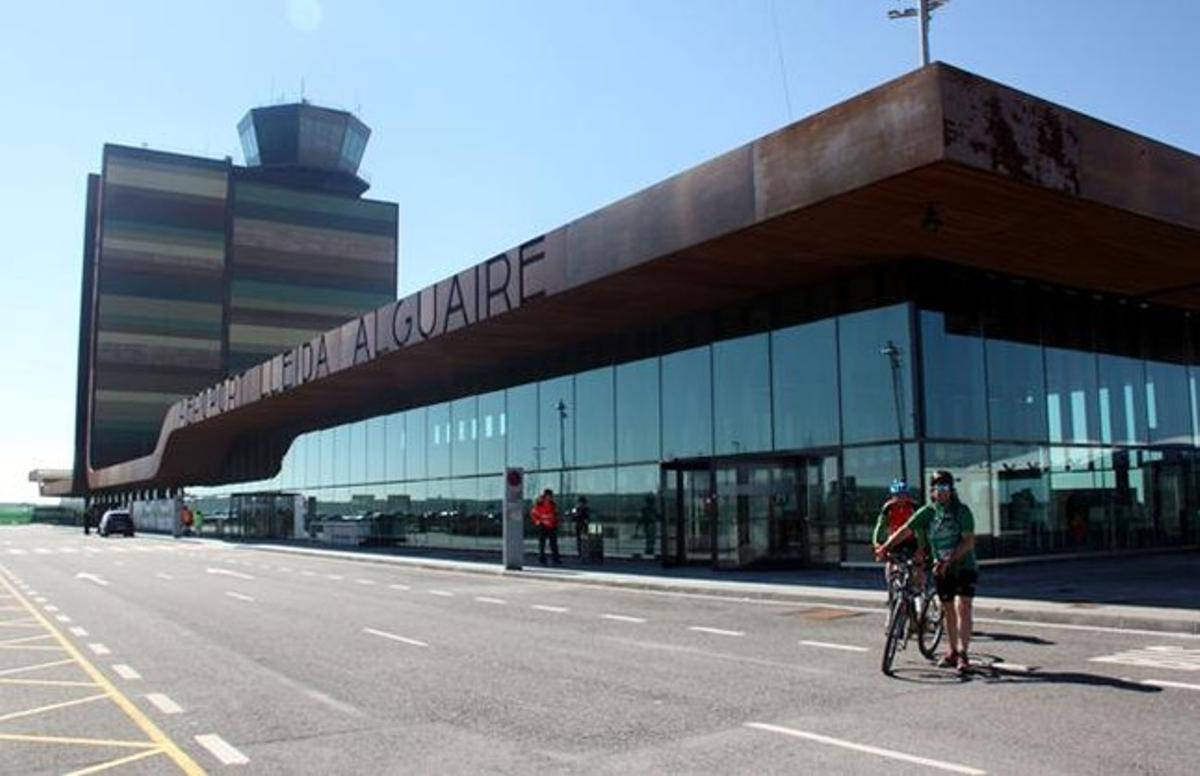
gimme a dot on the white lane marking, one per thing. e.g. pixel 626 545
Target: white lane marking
pixel 99 649
pixel 42 551
pixel 163 703
pixel 228 573
pixel 77 631
pixel 365 581
pixel 1176 685
pixel 239 596
pixel 161 575
pixel 555 609
pixel 41 599
pixel 93 577
pixel 222 749
pixel 622 618
pixel 488 600
pixel 125 672
pixel 890 753
pixel 442 593
pixel 62 618
pixel 1089 628
pixel 338 577
pixel 286 569
pixel 715 631
pixel 394 637
pixel 399 587
pixel 1169 657
pixel 831 645
pixel 308 573
pixel 50 608
pixel 1015 667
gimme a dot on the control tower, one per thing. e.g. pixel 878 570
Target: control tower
pixel 300 145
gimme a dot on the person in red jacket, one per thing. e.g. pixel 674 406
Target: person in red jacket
pixel 545 517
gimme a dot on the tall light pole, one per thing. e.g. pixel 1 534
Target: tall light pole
pixel 893 355
pixel 924 13
pixel 562 443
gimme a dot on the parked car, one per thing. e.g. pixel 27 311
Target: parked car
pixel 116 521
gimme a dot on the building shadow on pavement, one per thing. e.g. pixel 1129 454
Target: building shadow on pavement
pixel 992 670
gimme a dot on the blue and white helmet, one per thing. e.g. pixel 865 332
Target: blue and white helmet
pixel 898 488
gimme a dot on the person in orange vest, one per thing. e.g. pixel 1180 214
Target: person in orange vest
pixel 892 517
pixel 545 516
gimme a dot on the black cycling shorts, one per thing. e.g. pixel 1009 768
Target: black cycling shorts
pixel 960 582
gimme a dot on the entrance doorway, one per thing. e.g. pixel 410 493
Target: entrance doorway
pixel 738 512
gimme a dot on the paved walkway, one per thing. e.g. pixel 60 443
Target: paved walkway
pixel 1156 592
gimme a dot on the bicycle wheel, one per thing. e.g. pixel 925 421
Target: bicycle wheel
pixel 932 625
pixel 897 622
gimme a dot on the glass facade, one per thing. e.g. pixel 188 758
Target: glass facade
pixel 778 445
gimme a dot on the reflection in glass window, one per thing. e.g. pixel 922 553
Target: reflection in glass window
pixel 437 421
pixel 522 420
pixel 557 422
pixel 595 423
pixel 358 452
pixel 742 394
pixel 312 459
pixel 341 455
pixel 804 370
pixel 1022 499
pixel 952 351
pixel 491 432
pixel 328 458
pixel 637 411
pixel 687 408
pixel 1071 403
pixel 875 356
pixel 1122 400
pixel 396 454
pixel 1016 391
pixel 376 449
pixel 415 447
pixel 464 445
pixel 1168 411
pixel 866 474
pixel 634 530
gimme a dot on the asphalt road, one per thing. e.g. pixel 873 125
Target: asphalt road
pixel 159 656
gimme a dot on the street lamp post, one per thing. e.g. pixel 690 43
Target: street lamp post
pixel 923 12
pixel 893 355
pixel 562 443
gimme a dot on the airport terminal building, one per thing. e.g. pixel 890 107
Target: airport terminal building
pixel 732 365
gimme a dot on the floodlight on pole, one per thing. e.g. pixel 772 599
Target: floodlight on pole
pixel 924 13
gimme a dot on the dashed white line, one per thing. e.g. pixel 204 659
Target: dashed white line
pixel 308 573
pixel 399 587
pixel 889 753
pixel 831 645
pixel 99 649
pixel 161 575
pixel 1014 667
pixel 555 609
pixel 239 596
pixel 365 581
pixel 222 749
pixel 163 703
pixel 62 618
pixel 337 577
pixel 77 631
pixel 716 631
pixel 394 637
pixel 125 672
pixel 50 608
pixel 622 618
pixel 442 593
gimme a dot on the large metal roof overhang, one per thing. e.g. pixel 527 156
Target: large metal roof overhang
pixel 1016 185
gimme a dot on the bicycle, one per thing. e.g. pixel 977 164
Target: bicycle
pixel 903 609
pixel 931 619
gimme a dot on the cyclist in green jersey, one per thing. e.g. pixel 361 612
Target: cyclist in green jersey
pixel 947 527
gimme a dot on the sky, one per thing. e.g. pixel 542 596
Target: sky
pixel 492 122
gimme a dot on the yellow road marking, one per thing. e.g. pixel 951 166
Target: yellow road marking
pixel 37 667
pixel 29 739
pixel 49 682
pixel 169 747
pixel 23 639
pixel 52 707
pixel 115 763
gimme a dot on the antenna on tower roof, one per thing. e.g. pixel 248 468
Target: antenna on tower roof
pixel 924 11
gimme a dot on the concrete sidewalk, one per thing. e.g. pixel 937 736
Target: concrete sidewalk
pixel 1157 592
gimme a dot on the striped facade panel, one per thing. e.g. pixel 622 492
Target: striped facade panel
pixel 160 291
pixel 302 263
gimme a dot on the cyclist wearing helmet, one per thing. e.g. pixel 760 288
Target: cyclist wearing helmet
pixel 947 527
pixel 894 515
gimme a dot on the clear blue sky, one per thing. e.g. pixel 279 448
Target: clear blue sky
pixel 493 121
